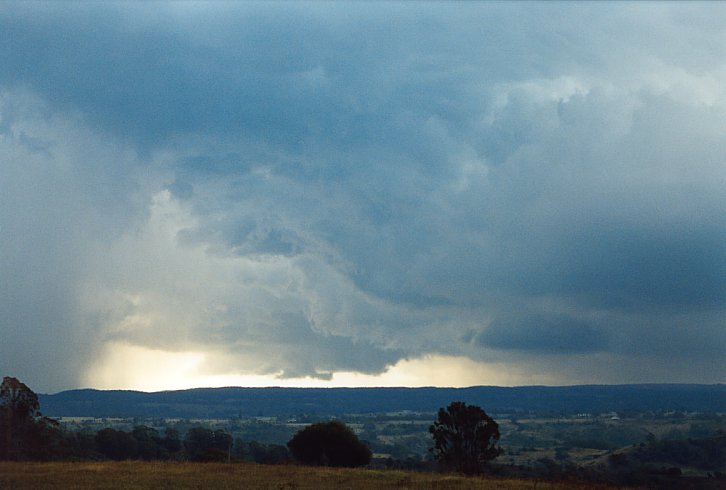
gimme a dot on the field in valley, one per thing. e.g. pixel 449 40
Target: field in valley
pixel 174 475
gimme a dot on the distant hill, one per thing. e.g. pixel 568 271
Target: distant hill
pixel 233 402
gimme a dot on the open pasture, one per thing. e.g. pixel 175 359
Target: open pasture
pixel 174 475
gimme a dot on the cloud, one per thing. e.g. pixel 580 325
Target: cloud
pixel 307 190
pixel 550 334
pixel 65 194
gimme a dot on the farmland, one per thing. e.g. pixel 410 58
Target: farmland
pixel 541 442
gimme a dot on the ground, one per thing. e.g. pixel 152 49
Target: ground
pixel 182 476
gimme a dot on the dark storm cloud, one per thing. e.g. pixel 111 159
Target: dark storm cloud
pixel 306 188
pixel 149 79
pixel 552 334
pixel 274 72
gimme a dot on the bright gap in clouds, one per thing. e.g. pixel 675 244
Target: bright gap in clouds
pixel 125 366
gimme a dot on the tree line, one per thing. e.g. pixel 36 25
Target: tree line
pixel 465 438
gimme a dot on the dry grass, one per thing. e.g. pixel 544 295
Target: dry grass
pixel 167 475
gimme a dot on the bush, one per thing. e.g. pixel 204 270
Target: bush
pixel 329 444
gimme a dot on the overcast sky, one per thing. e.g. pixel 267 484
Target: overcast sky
pixel 362 193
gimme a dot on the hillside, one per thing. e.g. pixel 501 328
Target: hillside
pixel 233 402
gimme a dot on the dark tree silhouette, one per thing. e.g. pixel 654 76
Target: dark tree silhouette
pixel 24 433
pixel 172 442
pixel 149 443
pixel 329 444
pixel 465 438
pixel 267 453
pixel 203 444
pixel 116 444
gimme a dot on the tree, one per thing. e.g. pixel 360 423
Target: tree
pixel 268 453
pixel 20 401
pixel 149 444
pixel 203 444
pixel 116 444
pixel 24 433
pixel 172 442
pixel 465 438
pixel 329 444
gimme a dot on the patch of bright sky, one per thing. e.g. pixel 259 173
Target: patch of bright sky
pixel 125 366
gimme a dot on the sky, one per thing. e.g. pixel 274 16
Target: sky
pixel 362 194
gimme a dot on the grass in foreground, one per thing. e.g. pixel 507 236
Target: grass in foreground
pixel 171 475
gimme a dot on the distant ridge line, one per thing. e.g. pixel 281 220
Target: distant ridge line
pixel 95 390
pixel 232 402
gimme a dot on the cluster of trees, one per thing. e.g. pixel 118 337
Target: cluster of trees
pixel 26 435
pixel 465 438
pixel 140 443
pixel 200 444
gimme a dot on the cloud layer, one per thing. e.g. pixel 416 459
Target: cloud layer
pixel 299 190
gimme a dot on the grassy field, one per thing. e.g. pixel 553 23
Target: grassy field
pixel 168 475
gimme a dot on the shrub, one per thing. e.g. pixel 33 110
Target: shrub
pixel 329 444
